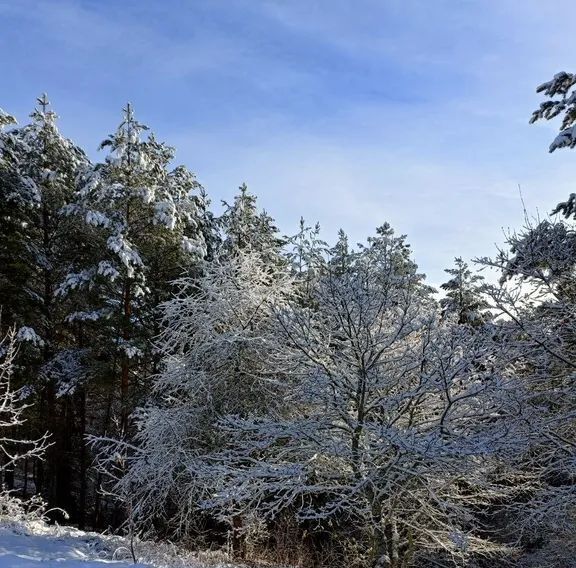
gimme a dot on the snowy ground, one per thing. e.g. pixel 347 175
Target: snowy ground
pixel 21 547
pixel 35 544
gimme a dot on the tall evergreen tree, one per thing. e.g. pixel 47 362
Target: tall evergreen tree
pixel 38 173
pixel 245 228
pixel 463 297
pixel 560 92
pixel 37 180
pixel 145 222
pixel 307 256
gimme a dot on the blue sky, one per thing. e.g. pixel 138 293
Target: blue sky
pixel 350 113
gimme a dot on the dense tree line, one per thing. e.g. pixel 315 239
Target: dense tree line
pixel 182 374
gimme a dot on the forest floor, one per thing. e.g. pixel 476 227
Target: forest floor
pixel 34 544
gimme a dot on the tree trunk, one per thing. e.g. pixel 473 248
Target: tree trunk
pixel 237 537
pixel 125 368
pixel 386 546
pixel 83 468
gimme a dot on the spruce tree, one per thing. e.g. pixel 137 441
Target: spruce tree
pixel 37 181
pixel 145 222
pixel 560 92
pixel 463 297
pixel 247 229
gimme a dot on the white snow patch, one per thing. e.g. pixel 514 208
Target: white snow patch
pixel 38 545
pixel 34 544
pixel 29 334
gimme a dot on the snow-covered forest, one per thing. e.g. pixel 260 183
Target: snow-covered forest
pixel 174 371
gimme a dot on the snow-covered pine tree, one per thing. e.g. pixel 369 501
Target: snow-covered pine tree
pixel 10 215
pixel 14 271
pixel 6 119
pixel 144 220
pixel 37 179
pixel 561 94
pixel 464 299
pixel 307 255
pixel 307 250
pixel 245 228
pixel 340 254
pixel 562 101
